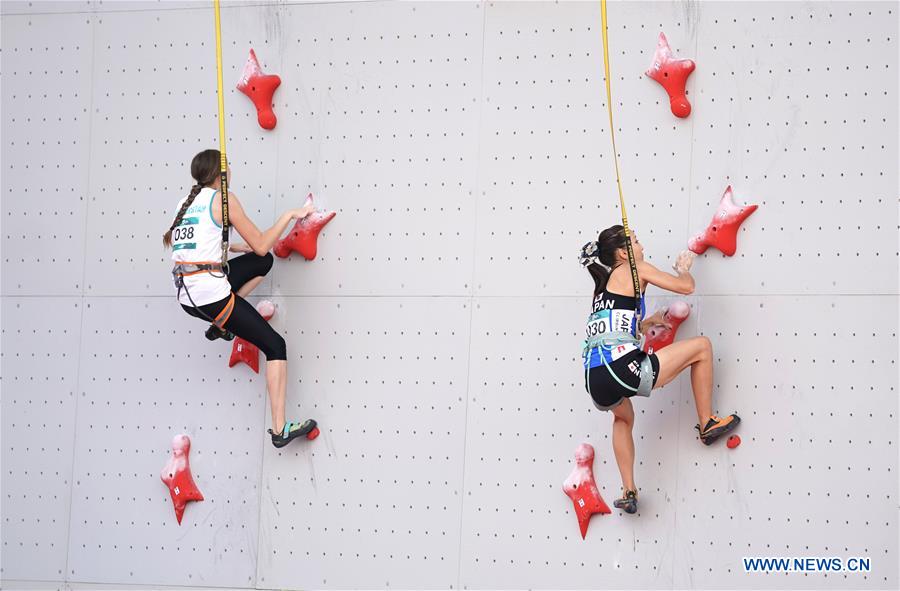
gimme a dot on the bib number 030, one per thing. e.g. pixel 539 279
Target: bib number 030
pixel 596 326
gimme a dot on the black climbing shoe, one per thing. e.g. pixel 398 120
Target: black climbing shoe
pixel 292 431
pixel 214 332
pixel 717 427
pixel 627 503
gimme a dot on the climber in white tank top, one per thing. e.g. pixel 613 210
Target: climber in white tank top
pixel 196 239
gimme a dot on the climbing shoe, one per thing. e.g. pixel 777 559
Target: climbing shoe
pixel 214 332
pixel 717 427
pixel 627 503
pixel 292 431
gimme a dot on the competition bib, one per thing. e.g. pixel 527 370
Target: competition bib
pixel 598 323
pixel 607 321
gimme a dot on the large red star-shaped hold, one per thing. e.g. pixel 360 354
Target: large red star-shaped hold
pixel 722 230
pixel 582 490
pixel 672 73
pixel 177 476
pixel 303 236
pixel 246 351
pixel 665 325
pixel 260 87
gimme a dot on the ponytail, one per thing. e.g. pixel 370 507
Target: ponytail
pixel 599 257
pixel 167 237
pixel 600 274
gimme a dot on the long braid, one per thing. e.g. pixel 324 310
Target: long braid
pixel 195 190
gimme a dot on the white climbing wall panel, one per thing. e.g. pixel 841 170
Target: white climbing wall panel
pixel 465 147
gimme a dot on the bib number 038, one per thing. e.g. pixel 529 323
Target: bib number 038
pixel 185 233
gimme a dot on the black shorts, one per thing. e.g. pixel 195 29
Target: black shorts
pixel 245 321
pixel 604 388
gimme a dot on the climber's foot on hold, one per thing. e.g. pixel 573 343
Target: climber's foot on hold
pixel 291 431
pixel 717 427
pixel 214 332
pixel 628 502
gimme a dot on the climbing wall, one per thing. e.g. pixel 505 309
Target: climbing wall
pixel 465 148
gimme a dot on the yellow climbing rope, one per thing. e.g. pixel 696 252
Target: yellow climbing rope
pixel 612 134
pixel 224 159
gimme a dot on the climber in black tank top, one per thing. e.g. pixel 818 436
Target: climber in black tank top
pixel 612 313
pixel 615 367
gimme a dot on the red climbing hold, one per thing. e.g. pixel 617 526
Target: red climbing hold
pixel 582 489
pixel 246 351
pixel 722 230
pixel 260 87
pixel 672 73
pixel 733 441
pixel 177 476
pixel 303 236
pixel 313 434
pixel 666 324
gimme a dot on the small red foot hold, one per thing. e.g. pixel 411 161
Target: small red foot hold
pixel 722 230
pixel 313 434
pixel 665 325
pixel 733 441
pixel 303 237
pixel 672 73
pixel 246 351
pixel 260 87
pixel 581 488
pixel 177 476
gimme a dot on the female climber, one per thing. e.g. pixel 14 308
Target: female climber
pixel 208 293
pixel 615 368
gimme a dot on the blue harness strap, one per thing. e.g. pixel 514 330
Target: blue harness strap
pixel 609 340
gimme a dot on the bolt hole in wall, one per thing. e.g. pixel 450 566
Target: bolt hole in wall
pixel 436 335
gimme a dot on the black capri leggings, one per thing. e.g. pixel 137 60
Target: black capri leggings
pixel 245 321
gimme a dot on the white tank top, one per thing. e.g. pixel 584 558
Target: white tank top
pixel 198 239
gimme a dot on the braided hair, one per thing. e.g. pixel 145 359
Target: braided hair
pixel 205 167
pixel 599 257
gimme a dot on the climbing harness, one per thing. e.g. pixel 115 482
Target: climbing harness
pixel 609 341
pixel 182 270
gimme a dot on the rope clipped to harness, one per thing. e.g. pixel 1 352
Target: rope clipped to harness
pixel 612 134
